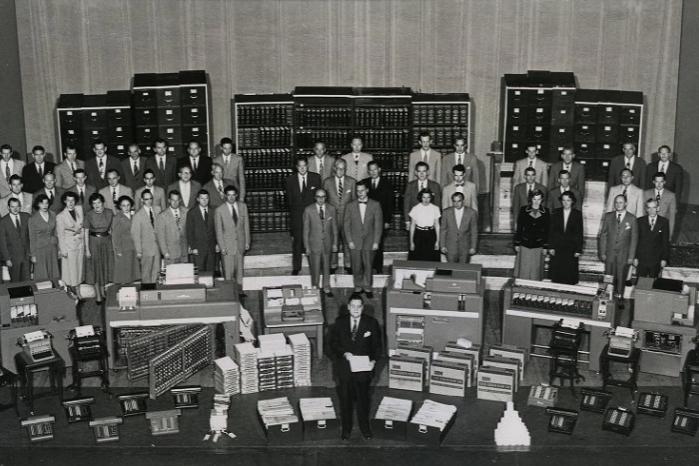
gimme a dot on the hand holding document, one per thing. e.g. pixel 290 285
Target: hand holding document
pixel 361 364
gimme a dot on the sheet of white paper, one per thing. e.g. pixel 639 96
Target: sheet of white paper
pixel 360 364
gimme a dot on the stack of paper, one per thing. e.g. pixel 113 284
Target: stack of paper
pixel 246 357
pixel 301 348
pixel 316 409
pixel 394 409
pixel 511 432
pixel 272 343
pixel 226 376
pixel 434 414
pixel 276 411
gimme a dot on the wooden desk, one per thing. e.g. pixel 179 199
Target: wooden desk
pixel 312 326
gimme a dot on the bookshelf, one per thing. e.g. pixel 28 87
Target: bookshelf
pixel 447 116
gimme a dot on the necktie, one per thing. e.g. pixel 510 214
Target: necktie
pixel 624 193
pixel 40 170
pixel 177 218
pixel 322 213
pixel 354 329
pixel 72 167
pixel 529 189
pixel 652 223
pixel 101 167
pixel 72 214
pixel 657 196
pixel 628 163
pixel 114 196
pixel 17 224
pixel 82 197
pixel 220 186
pixel 161 164
pixel 194 164
pixel 531 163
pixel 459 159
pixel 234 214
pixel 320 166
pixel 303 184
pixel 135 168
pixel 152 217
pixel 226 159
pixel 51 197
pixel 618 218
pixel 340 189
pixel 206 215
pixel 7 172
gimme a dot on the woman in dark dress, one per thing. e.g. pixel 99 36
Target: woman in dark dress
pixel 565 240
pixel 126 268
pixel 531 238
pixel 99 253
pixel 43 242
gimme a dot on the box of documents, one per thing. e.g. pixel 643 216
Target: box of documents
pixel 505 363
pixel 508 351
pixel 406 373
pixel 464 359
pixel 431 423
pixel 279 420
pixel 319 419
pixel 542 396
pixel 421 352
pixel 495 383
pixel 475 350
pixel 391 419
pixel 448 378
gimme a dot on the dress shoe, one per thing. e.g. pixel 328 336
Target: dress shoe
pixel 333 270
pixel 295 272
pixel 348 270
pixel 329 294
pixel 369 294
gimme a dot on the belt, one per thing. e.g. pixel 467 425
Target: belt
pixel 424 228
pixel 99 235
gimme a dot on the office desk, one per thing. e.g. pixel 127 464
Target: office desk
pixel 312 326
pixel 221 307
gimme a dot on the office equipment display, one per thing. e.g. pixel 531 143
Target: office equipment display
pixel 319 418
pixel 279 420
pixel 505 363
pixel 543 396
pixel 186 397
pixel 511 352
pixel 685 421
pixel 226 376
pixel 246 357
pixel 164 422
pixel 664 301
pixel 621 342
pixel 467 360
pixel 142 350
pixel 133 404
pixel 562 420
pixel 106 429
pixel 619 420
pixel 391 418
pixel 88 354
pixel 474 350
pixel 37 346
pixel 431 423
pixel 495 383
pixel 218 419
pixel 653 404
pixel 594 400
pixel 406 373
pixel 301 349
pixel 690 380
pixel 421 352
pixel 78 409
pixel 39 428
pixel 448 378
pixel 511 434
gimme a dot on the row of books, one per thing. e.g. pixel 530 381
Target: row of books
pixel 382 116
pixel 398 179
pixel 333 138
pixel 455 114
pixel 397 222
pixel 442 136
pixel 269 221
pixel 266 115
pixel 265 136
pixel 262 158
pixel 323 116
pixel 266 178
pixel 265 201
pixel 381 138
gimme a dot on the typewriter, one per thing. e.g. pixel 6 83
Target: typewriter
pixel 37 345
pixel 621 342
pixel 86 340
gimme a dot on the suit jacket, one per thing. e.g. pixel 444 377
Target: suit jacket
pixel 553 201
pixel 434 160
pixel 470 195
pixel 450 235
pixel 203 172
pixel 358 171
pixel 559 236
pixel 42 234
pixel 619 237
pixel 667 207
pixel 383 194
pixel 14 244
pixel 542 175
pixel 617 164
pixel 674 177
pixel 363 235
pixel 634 195
pixel 577 177
pixel 470 162
pixel 163 178
pixel 410 195
pixel 69 232
pixel 653 245
pixel 367 341
pixel 520 197
pixel 89 191
pixel 298 200
pixel 55 205
pixel 31 178
pixel 25 203
pixel 172 239
pixel 159 197
pixel 319 235
pixel 229 236
pixel 193 190
pixel 64 174
pixel 348 195
pixel 233 171
pixel 106 192
pixel 93 174
pixel 143 233
pixel 17 168
pixel 328 162
pixel 216 198
pixel 131 179
pixel 201 235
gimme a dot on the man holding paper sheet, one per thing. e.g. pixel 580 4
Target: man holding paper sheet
pixel 355 342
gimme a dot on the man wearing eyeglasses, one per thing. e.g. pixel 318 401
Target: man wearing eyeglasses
pixel 158 193
pixel 320 238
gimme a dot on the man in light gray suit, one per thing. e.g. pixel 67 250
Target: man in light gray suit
pixel 187 187
pixel 531 160
pixel 340 190
pixel 216 186
pixel 320 238
pixel 233 235
pixel 576 173
pixel 460 185
pixel 8 166
pixel 667 201
pixel 65 170
pixel 458 234
pixel 158 193
pixel 114 190
pixel 634 195
pixel 233 167
pixel 428 155
pixel 25 199
pixel 363 228
pixel 144 237
pixel 321 163
pixel 460 157
pixel 171 231
pixel 357 161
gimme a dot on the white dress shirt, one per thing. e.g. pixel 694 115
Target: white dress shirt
pixel 459 213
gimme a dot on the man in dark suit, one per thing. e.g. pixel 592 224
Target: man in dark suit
pixel 355 334
pixel 98 166
pixel 217 185
pixel 164 166
pixel 627 160
pixel 520 192
pixel 380 190
pixel 458 234
pixel 320 238
pixel 33 173
pixel 422 171
pixel 198 163
pixel 201 234
pixel 667 200
pixel 133 168
pixel 300 188
pixel 576 173
pixel 674 174
pixel 363 228
pixel 617 244
pixel 653 242
pixel 14 242
pixel 53 192
pixel 553 198
pixel 82 189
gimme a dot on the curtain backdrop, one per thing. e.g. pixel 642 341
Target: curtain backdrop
pixel 92 46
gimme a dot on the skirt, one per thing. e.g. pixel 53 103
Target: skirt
pixel 529 263
pixel 72 267
pixel 424 246
pixel 46 265
pixel 99 268
pixel 126 267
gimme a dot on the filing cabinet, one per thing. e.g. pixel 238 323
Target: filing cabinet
pixel 172 134
pixel 144 90
pixel 146 134
pixel 94 114
pixel 607 133
pixel 584 133
pixel 194 115
pixel 169 115
pixel 146 116
pixel 584 150
pixel 167 93
pixel 561 135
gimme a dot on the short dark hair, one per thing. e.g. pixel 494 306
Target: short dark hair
pixel 665 146
pixel 457 194
pixel 95 197
pixel 174 191
pixel 146 191
pixel 38 147
pixel 39 199
pixel 373 162
pixel 124 198
pixel 570 194
pixel 530 169
pixel 202 191
pixel 113 170
pixel 79 170
pixel 425 134
pixel 423 192
pixel 658 174
pixel 563 172
pixel 226 141
pixel 534 193
pixel 355 296
pixel 230 188
pixel 421 164
pixel 68 194
pixel 625 169
pixel 16 177
pixel 459 167
pixel 99 141
pixel 71 146
pixel 300 158
pixel 11 200
pixel 148 171
pixel 6 147
pixel 159 140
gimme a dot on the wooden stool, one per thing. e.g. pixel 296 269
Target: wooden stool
pixel 9 379
pixel 632 364
pixel 26 369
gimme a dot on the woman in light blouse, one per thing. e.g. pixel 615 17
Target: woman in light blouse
pixel 424 228
pixel 71 240
pixel 43 243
